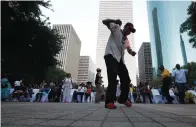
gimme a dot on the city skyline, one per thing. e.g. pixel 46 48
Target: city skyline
pixel 86 23
pixel 145 62
pixel 67 56
pixel 86 70
pixel 164 25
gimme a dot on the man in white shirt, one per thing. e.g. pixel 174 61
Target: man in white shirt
pixel 180 77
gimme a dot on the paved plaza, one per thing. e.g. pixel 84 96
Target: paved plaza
pixel 95 115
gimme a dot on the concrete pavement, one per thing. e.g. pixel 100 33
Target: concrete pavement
pixel 95 115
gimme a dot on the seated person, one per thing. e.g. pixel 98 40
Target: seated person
pixel 54 95
pixel 19 91
pixel 81 91
pixel 44 90
pixel 189 98
pixel 87 93
pixel 30 91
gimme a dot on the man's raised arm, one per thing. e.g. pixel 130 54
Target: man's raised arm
pixel 108 21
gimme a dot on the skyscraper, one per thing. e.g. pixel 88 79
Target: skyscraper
pixel 70 53
pixel 116 9
pixel 86 70
pixel 165 18
pixel 145 63
pixel 183 50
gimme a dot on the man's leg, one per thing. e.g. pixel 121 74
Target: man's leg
pixel 97 98
pixel 181 87
pixel 111 65
pixel 166 90
pixel 125 81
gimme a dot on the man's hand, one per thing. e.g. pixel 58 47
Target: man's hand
pixel 133 53
pixel 119 22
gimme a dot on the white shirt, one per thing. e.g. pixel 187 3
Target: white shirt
pixel 180 75
pixel 80 89
pixel 17 83
pixel 67 83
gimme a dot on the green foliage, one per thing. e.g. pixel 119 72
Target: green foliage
pixel 29 45
pixel 156 83
pixel 192 73
pixel 190 24
pixel 54 74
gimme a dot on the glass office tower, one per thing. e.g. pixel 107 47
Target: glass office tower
pixel 165 18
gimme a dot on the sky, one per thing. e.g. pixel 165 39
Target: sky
pixel 83 15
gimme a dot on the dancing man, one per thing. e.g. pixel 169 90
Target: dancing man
pixel 114 59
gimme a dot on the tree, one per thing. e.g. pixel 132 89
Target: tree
pixel 54 74
pixel 192 73
pixel 156 83
pixel 29 45
pixel 190 24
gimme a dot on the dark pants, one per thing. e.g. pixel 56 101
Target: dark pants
pixel 54 96
pixel 134 96
pixel 144 97
pixel 115 68
pixel 75 96
pixel 38 97
pixel 81 95
pixel 181 88
pixel 165 89
pixel 98 93
pixel 87 95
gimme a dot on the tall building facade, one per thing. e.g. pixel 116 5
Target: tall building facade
pixel 145 63
pixel 165 18
pixel 86 70
pixel 70 53
pixel 116 9
pixel 183 50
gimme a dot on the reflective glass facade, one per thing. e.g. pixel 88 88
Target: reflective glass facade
pixel 165 18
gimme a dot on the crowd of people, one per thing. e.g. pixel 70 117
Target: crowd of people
pixel 56 92
pixel 176 81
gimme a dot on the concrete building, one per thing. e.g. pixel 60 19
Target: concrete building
pixel 138 80
pixel 86 70
pixel 145 63
pixel 116 9
pixel 165 18
pixel 70 53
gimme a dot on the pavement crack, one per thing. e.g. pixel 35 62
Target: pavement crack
pixel 106 115
pixel 149 118
pixel 127 117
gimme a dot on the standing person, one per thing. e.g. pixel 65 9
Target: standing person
pixel 166 79
pixel 98 82
pixel 147 92
pixel 114 59
pixel 180 77
pixel 67 86
pixel 131 92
